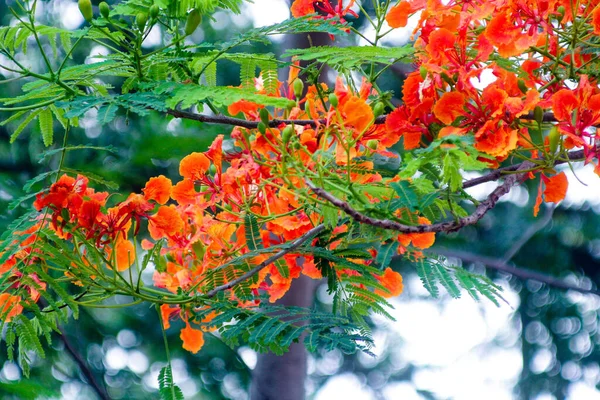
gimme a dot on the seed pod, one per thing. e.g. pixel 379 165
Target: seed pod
pixel 298 88
pixel 193 20
pixel 333 100
pixel 522 86
pixel 378 109
pixel 264 116
pixel 553 139
pixel 423 71
pixel 262 127
pixel 140 21
pixel 373 144
pixel 538 114
pixel 154 10
pixel 85 7
pixel 104 9
pixel 287 133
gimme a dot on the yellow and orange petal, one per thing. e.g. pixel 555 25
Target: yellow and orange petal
pixel 556 188
pixel 392 281
pixel 449 107
pixel 158 189
pixel 194 166
pixel 193 339
pixel 301 8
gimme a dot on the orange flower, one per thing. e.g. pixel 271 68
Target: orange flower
pixel 184 193
pixel 194 166
pixel 125 253
pixel 193 339
pixel 166 222
pixel 556 188
pixel 357 113
pixel 392 281
pixel 158 189
pixel 596 20
pixel 301 8
pixel 10 306
pixel 419 240
pixel 449 107
pixel 397 17
pixel 564 102
pixel 245 107
pixel 497 142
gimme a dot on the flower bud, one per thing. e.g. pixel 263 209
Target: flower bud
pixel 333 100
pixel 193 20
pixel 154 10
pixel 104 9
pixel 561 12
pixel 262 127
pixel 553 139
pixel 287 133
pixel 378 109
pixel 298 88
pixel 140 21
pixel 264 116
pixel 538 114
pixel 85 7
pixel 373 144
pixel 423 71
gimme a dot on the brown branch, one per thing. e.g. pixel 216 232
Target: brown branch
pixel 502 266
pixel 224 120
pixel 293 246
pixel 448 226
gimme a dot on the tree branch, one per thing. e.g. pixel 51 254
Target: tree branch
pixel 448 226
pixel 295 244
pixel 225 120
pixel 502 266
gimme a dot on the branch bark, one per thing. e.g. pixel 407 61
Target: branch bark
pixel 449 226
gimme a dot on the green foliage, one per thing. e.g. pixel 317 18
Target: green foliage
pixel 166 387
pixel 436 271
pixel 352 57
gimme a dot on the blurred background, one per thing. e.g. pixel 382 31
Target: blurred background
pixel 542 345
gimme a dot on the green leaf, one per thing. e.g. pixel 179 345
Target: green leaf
pixel 407 197
pixel 424 270
pixel 386 252
pixel 252 232
pixel 46 126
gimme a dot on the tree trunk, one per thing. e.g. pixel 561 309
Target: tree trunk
pixel 283 377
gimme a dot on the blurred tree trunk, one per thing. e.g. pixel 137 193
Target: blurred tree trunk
pixel 283 377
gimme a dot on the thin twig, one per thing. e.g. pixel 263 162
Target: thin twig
pixel 502 266
pixel 448 226
pixel 498 173
pixel 293 246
